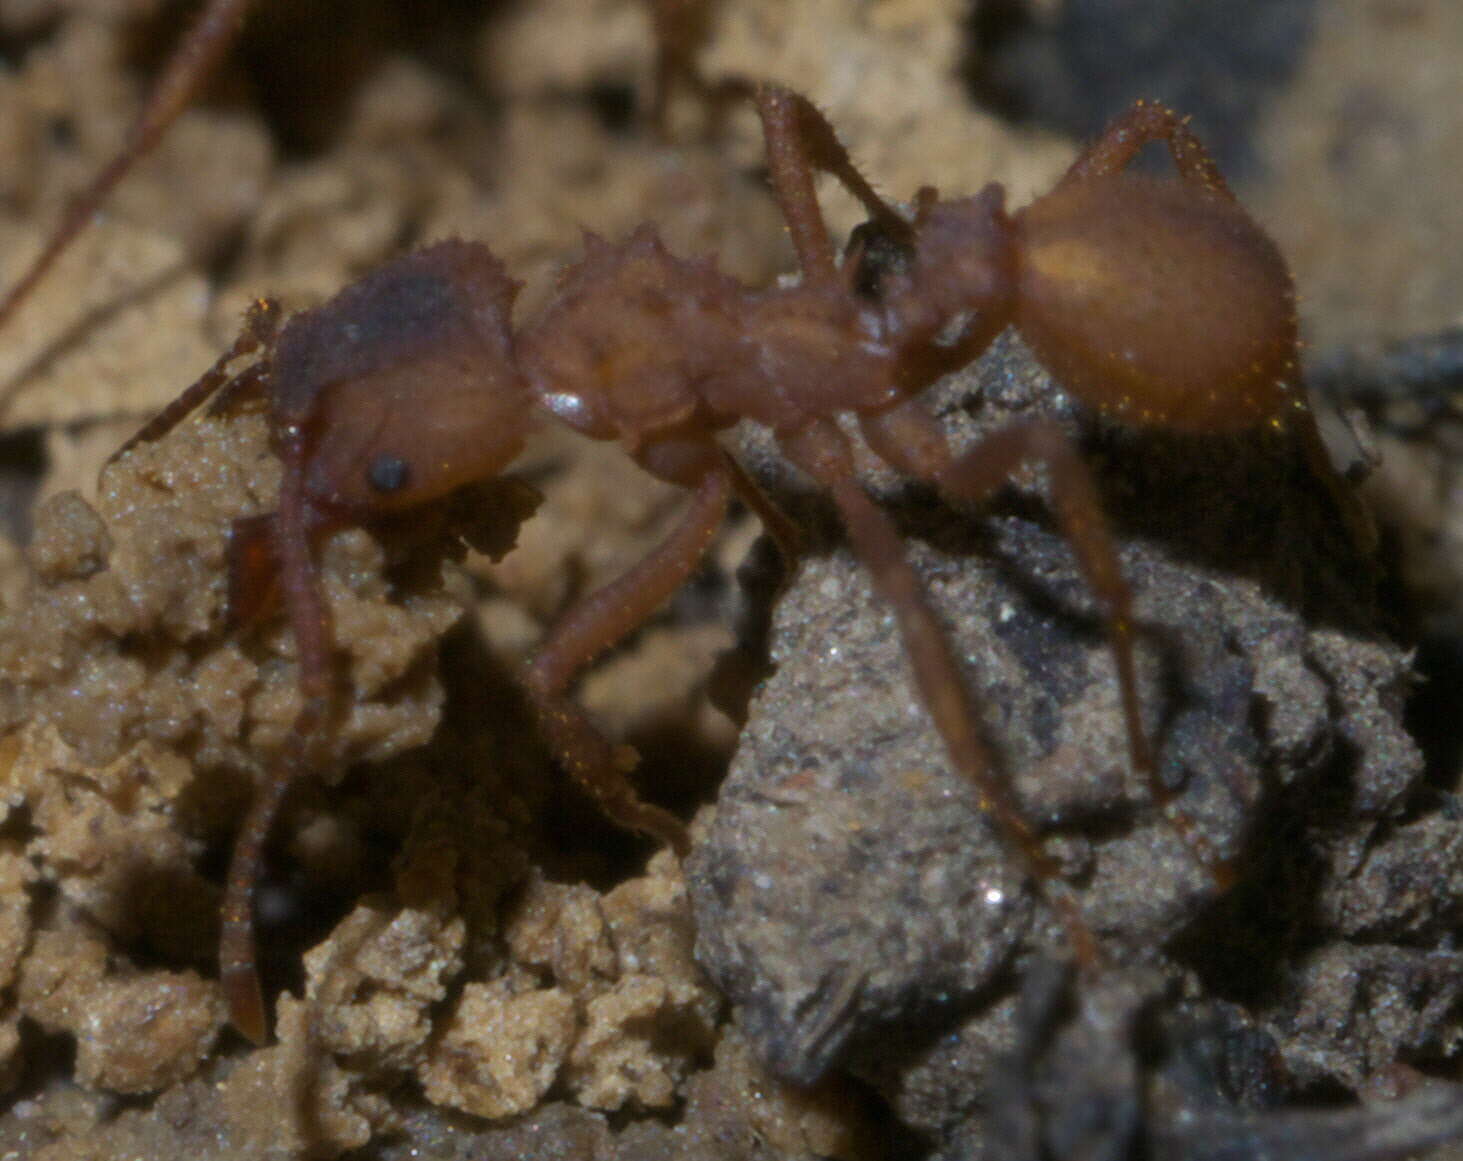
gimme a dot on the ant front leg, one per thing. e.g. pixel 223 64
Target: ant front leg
pixel 1145 123
pixel 299 580
pixel 261 324
pixel 603 619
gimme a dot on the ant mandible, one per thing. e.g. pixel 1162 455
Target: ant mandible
pixel 1158 302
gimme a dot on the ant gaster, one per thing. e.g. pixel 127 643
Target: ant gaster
pixel 1159 302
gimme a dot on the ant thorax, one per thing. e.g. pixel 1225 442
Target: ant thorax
pixel 953 275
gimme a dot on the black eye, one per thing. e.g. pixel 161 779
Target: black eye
pixel 388 473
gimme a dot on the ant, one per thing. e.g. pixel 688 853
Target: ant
pixel 1158 302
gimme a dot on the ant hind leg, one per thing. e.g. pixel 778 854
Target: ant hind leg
pixel 983 470
pixel 1143 123
pixel 823 451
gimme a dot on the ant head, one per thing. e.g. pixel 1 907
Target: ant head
pixel 404 385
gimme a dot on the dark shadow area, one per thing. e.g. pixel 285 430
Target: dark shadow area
pixel 22 464
pixel 1217 60
pixel 302 62
pixel 1432 711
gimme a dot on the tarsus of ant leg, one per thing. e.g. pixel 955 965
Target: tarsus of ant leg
pixel 259 327
pixel 596 622
pixel 190 65
pixel 822 451
pixel 309 620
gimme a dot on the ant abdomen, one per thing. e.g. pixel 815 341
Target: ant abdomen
pixel 1157 303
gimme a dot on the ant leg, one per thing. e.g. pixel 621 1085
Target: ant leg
pixel 238 973
pixel 822 450
pixel 310 624
pixel 1142 124
pixel 260 325
pixel 599 621
pixel 799 141
pixel 909 438
pixel 191 63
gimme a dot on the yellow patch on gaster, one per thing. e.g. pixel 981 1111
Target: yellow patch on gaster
pixel 1074 262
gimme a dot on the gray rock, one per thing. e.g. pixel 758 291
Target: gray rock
pixel 852 899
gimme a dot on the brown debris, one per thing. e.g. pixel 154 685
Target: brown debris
pixel 502 1051
pixel 601 987
pixel 135 1032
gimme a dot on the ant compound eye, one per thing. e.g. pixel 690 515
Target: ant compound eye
pixel 388 473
